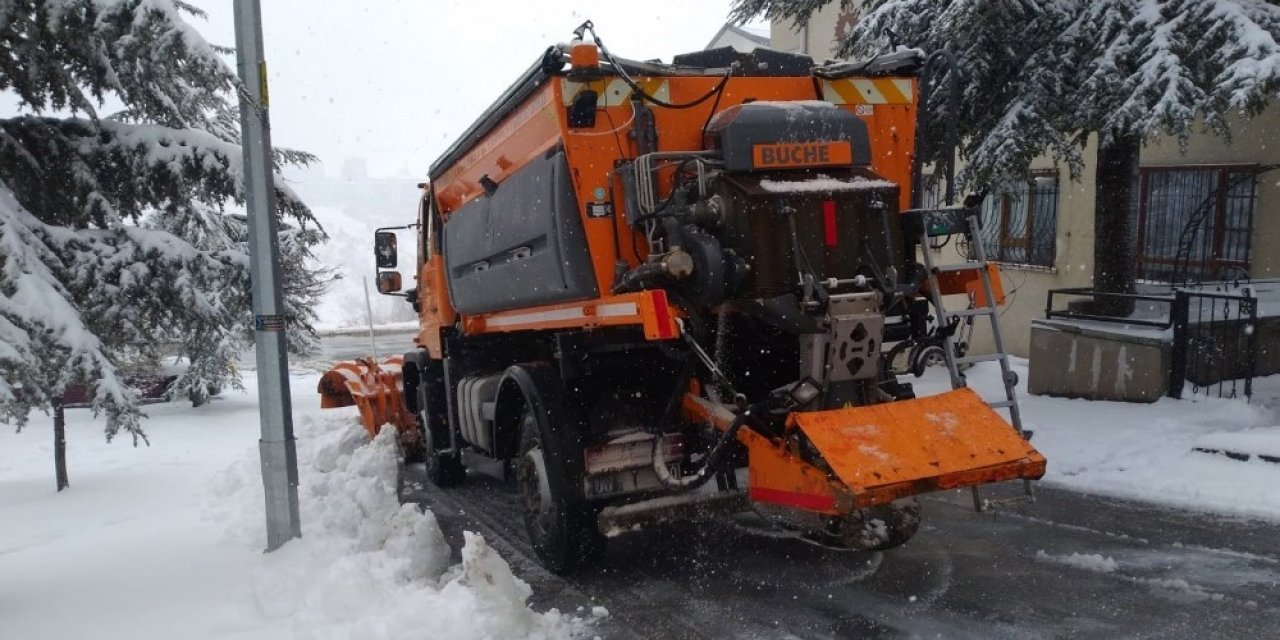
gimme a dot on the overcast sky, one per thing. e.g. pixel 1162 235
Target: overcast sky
pixel 394 81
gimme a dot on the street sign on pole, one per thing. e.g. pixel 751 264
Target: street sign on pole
pixel 277 447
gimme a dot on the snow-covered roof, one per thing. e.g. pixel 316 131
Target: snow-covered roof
pixel 743 38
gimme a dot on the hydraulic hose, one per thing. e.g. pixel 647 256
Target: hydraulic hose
pixel 710 464
pixel 622 73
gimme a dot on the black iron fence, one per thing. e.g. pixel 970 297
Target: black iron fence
pixel 1213 337
pixel 1214 344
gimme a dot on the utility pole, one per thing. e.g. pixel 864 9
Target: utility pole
pixel 277 447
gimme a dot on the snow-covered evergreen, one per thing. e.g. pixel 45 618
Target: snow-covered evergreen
pixel 115 243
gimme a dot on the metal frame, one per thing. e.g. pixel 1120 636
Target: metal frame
pixel 1221 345
pixel 378 271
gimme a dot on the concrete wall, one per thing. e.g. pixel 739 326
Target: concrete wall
pixel 1072 362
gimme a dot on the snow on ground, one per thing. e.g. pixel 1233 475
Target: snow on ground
pixel 1087 561
pixel 380 328
pixel 1146 451
pixel 1263 441
pixel 166 541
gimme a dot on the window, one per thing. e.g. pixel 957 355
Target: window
pixel 932 192
pixel 1020 225
pixel 1195 223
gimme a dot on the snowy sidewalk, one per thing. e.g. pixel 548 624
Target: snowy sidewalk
pixel 1147 451
pixel 166 541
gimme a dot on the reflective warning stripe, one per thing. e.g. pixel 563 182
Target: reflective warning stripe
pixel 618 309
pixel 614 92
pixel 868 91
pixel 649 309
pixel 553 315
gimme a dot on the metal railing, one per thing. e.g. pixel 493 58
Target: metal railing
pixel 1164 321
pixel 1214 344
pixel 1214 335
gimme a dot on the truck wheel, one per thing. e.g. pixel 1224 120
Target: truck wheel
pixel 444 470
pixel 562 531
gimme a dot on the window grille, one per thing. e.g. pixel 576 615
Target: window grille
pixel 1195 223
pixel 1020 224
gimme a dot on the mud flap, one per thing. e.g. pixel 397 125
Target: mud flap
pixel 884 452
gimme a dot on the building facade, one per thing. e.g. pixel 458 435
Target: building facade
pixel 741 38
pixel 1209 211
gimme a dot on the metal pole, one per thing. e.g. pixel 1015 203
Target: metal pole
pixel 279 454
pixel 368 310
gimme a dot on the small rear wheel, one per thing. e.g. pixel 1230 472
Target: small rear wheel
pixel 562 530
pixel 889 525
pixel 926 355
pixel 877 528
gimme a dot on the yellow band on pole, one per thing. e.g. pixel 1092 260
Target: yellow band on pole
pixel 262 83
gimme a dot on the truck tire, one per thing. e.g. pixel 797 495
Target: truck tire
pixel 444 470
pixel 562 530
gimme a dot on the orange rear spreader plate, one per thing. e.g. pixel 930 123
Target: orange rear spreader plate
pixel 888 451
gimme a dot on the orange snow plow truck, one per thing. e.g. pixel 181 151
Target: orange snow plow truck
pixel 657 291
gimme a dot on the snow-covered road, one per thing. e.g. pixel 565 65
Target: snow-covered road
pixel 1069 566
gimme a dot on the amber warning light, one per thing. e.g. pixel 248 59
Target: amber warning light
pixel 801 154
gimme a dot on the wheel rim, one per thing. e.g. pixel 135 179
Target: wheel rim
pixel 933 358
pixel 535 489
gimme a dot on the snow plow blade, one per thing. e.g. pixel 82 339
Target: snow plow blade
pixel 884 452
pixel 374 388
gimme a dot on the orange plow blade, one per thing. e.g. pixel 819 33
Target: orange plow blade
pixel 374 388
pixel 889 451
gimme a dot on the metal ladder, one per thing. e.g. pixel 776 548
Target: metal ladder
pixel 989 311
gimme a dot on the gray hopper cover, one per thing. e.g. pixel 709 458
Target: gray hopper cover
pixel 738 129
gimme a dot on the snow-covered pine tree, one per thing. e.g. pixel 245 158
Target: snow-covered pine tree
pixel 1041 76
pixel 113 237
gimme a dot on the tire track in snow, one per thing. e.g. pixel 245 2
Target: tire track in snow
pixel 496 515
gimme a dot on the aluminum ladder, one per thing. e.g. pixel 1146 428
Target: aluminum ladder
pixel 989 310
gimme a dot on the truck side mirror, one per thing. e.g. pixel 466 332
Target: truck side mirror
pixel 389 282
pixel 384 249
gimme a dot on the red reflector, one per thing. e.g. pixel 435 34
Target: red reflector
pixel 829 222
pixel 662 314
pixel 792 499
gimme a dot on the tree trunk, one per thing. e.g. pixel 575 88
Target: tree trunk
pixel 1113 240
pixel 60 445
